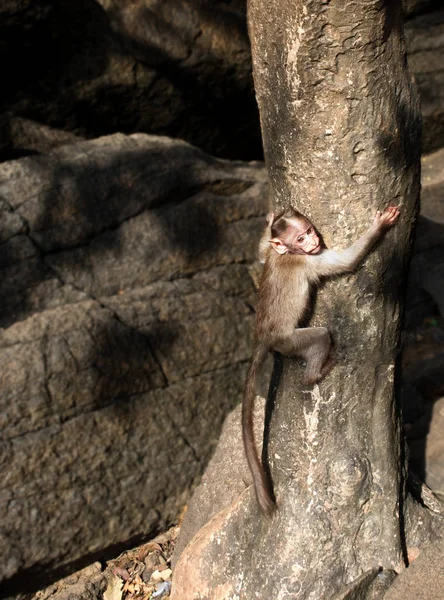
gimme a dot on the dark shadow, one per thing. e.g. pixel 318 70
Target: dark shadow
pixel 81 218
pixel 403 458
pixel 393 20
pixel 421 366
pixel 32 580
pixel 175 92
pixel 278 365
pixel 422 7
pixel 400 142
pixel 11 152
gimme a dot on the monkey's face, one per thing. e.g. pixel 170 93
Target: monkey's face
pixel 309 241
pixel 299 237
pixel 303 238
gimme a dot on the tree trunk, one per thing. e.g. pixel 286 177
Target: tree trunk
pixel 341 129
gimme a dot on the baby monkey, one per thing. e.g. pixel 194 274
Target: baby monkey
pixel 295 261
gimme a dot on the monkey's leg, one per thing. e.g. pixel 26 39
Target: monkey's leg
pixel 314 345
pixel 329 363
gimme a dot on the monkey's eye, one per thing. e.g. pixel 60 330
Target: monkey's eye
pixel 310 230
pixel 300 239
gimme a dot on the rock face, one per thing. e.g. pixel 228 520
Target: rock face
pixel 423 353
pixel 22 137
pixel 96 67
pixel 413 7
pixel 425 44
pixel 128 268
pixel 423 579
pixel 173 68
pixel 425 275
pixel 225 479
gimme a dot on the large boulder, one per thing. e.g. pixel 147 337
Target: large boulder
pixel 128 279
pixel 96 67
pixel 423 336
pixel 425 46
pixel 23 137
pixel 173 68
pixel 414 7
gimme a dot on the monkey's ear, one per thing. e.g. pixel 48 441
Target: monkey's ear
pixel 279 246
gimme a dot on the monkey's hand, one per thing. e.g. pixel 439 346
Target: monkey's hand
pixel 385 220
pixel 270 219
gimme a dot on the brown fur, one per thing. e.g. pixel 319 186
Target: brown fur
pixel 284 298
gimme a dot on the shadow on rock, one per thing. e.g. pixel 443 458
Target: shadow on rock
pixel 182 70
pixel 422 359
pixel 97 218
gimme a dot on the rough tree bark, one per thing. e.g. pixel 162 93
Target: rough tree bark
pixel 341 126
pixel 341 130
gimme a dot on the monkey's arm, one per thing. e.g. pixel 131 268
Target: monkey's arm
pixel 330 262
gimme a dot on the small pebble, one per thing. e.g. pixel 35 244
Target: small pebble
pixel 163 589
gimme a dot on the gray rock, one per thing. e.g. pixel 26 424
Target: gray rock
pixel 425 46
pixel 124 262
pixel 425 280
pixel 21 137
pixel 435 450
pixel 225 479
pixel 173 68
pixel 97 67
pixel 87 584
pixel 424 579
pixel 412 7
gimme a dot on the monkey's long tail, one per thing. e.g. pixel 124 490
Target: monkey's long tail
pixel 261 483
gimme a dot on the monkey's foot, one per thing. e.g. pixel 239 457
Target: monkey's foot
pixel 328 365
pixel 311 379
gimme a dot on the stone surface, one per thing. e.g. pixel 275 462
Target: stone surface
pixel 97 67
pixel 123 261
pixel 21 137
pixel 88 584
pixel 425 45
pixel 176 68
pixel 435 450
pixel 423 338
pixel 424 579
pixel 207 568
pixel 225 479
